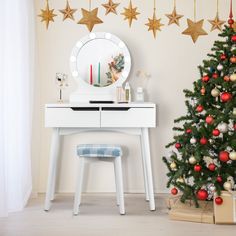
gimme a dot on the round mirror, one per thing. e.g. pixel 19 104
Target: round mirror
pixel 100 60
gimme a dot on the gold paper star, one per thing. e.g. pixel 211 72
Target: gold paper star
pixel 174 17
pixel 130 13
pixel 216 23
pixel 154 24
pixel 47 15
pixel 234 26
pixel 111 7
pixel 68 12
pixel 195 29
pixel 90 18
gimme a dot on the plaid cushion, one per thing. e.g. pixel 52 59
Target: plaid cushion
pixel 99 150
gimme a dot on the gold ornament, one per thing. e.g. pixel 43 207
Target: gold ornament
pixel 232 156
pixel 173 165
pixel 234 111
pixel 111 7
pixel 130 13
pixel 227 186
pixel 174 17
pixel 90 18
pixel 47 14
pixel 233 77
pixel 216 23
pixel 154 24
pixel 215 92
pixel 68 13
pixel 192 160
pixel 180 180
pixel 194 29
pixel 234 26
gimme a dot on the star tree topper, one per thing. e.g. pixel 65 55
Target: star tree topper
pixel 216 23
pixel 195 29
pixel 68 13
pixel 111 7
pixel 47 15
pixel 90 18
pixel 154 24
pixel 174 17
pixel 130 13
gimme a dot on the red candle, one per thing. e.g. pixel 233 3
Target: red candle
pixel 91 74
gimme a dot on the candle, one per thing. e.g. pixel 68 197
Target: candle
pixel 91 74
pixel 99 76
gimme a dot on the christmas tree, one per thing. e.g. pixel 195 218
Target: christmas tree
pixel 204 159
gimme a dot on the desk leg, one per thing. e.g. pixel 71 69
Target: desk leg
pixel 145 138
pixel 144 168
pixel 52 168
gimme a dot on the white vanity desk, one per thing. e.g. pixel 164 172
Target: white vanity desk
pixel 130 118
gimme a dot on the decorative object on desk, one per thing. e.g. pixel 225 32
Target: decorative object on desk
pixel 47 14
pixel 214 141
pixel 195 27
pixel 90 17
pixel 153 23
pixel 111 7
pixel 68 12
pixel 62 83
pixel 143 79
pixel 216 23
pixel 120 94
pixel 174 17
pixel 139 95
pixel 127 92
pixel 116 66
pixel 130 13
pixel 91 75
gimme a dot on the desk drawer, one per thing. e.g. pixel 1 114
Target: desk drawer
pixel 128 117
pixel 76 117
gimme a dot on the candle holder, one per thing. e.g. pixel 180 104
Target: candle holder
pixel 62 83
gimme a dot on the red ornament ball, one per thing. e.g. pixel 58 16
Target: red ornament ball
pixel 209 120
pixel 216 132
pixel 205 78
pixel 202 194
pixel 174 191
pixel 234 126
pixel 178 145
pixel 203 141
pixel 212 167
pixel 215 76
pixel 230 21
pixel 233 38
pixel 218 200
pixel 188 131
pixel 219 179
pixel 226 78
pixel 223 57
pixel 233 59
pixel 197 168
pixel 226 97
pixel 224 156
pixel 199 108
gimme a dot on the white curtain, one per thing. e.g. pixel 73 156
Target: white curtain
pixel 16 77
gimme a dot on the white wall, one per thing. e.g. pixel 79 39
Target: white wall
pixel 172 60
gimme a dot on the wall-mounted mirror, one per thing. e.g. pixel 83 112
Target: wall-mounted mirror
pixel 100 60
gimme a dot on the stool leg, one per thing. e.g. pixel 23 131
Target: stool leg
pixel 79 183
pixel 117 187
pixel 119 182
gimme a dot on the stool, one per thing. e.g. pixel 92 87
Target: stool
pixel 101 151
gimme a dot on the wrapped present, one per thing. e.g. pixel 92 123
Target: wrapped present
pixel 225 213
pixel 188 212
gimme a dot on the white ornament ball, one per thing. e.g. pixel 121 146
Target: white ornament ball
pixel 215 92
pixel 232 156
pixel 192 160
pixel 212 188
pixel 233 77
pixel 220 67
pixel 173 165
pixel 227 186
pixel 193 140
pixel 223 127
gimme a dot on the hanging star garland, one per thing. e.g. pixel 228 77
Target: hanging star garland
pixel 216 23
pixel 174 17
pixel 111 7
pixel 130 13
pixel 154 24
pixel 68 12
pixel 47 15
pixel 90 18
pixel 234 26
pixel 195 29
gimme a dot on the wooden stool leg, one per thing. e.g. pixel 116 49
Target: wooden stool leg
pixel 119 182
pixel 79 184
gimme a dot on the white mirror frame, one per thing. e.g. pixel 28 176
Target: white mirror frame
pixel 86 92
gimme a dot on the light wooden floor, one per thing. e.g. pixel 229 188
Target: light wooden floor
pixel 99 217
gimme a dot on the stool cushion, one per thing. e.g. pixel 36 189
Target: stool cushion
pixel 99 150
